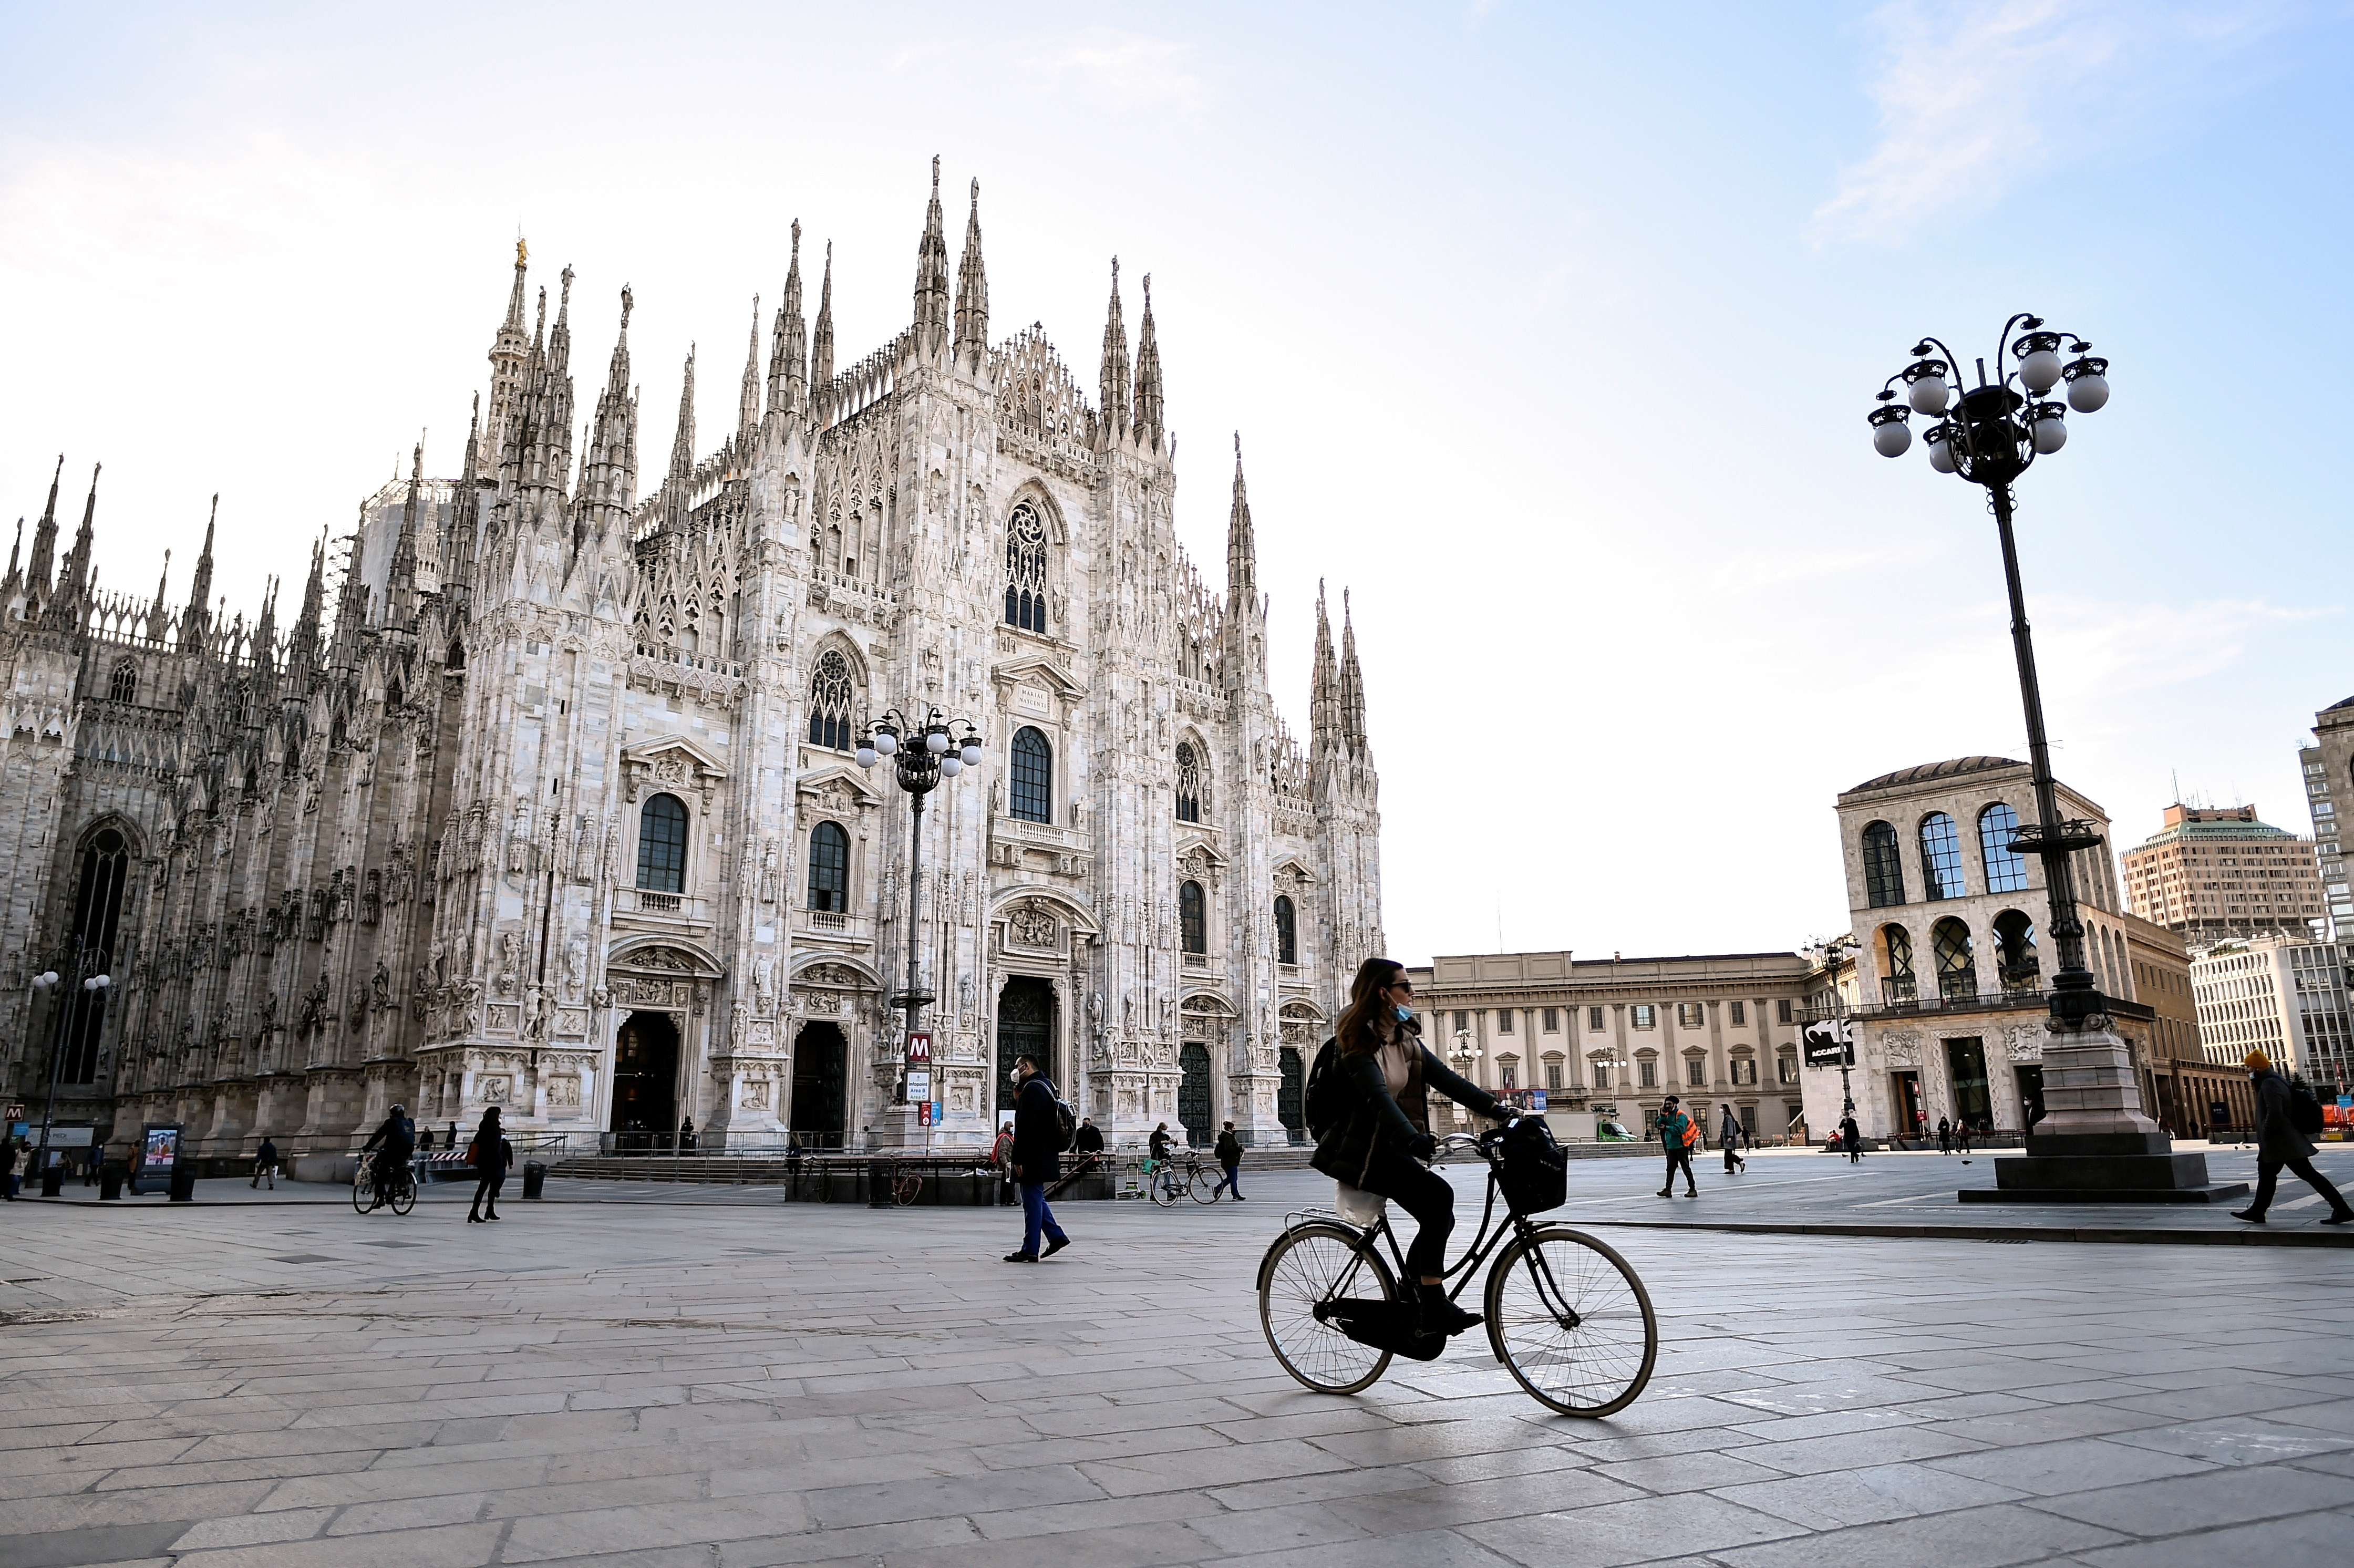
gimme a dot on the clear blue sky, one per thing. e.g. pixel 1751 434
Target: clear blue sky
pixel 1550 331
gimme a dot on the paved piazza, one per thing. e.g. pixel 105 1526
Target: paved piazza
pixel 667 1376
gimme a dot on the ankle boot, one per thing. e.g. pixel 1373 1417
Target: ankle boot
pixel 1439 1315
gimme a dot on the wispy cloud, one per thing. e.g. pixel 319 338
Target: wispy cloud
pixel 1132 69
pixel 1974 98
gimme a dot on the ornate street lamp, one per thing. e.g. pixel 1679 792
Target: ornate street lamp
pixel 922 753
pixel 1462 1056
pixel 89 966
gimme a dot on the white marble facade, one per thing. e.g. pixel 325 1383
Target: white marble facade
pixel 555 807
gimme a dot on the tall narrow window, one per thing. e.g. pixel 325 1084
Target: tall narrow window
pixel 1896 981
pixel 1192 919
pixel 1287 931
pixel 123 687
pixel 2014 939
pixel 829 878
pixel 1025 569
pixel 1594 1018
pixel 1503 1021
pixel 1957 969
pixel 1940 859
pixel 97 908
pixel 830 702
pixel 1189 783
pixel 1033 777
pixel 662 845
pixel 1884 867
pixel 1738 1013
pixel 2006 872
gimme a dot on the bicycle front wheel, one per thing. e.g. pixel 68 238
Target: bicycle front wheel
pixel 904 1187
pixel 1203 1186
pixel 1164 1187
pixel 363 1193
pixel 403 1197
pixel 1308 1266
pixel 1571 1320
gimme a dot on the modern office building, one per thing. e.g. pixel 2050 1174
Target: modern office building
pixel 2289 1000
pixel 2215 874
pixel 2328 767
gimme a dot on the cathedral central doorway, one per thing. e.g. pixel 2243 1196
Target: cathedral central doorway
pixel 645 1082
pixel 1026 1027
pixel 821 1084
pixel 1194 1093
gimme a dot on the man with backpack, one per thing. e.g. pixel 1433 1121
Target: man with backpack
pixel 1230 1161
pixel 1039 1139
pixel 1676 1133
pixel 2285 1113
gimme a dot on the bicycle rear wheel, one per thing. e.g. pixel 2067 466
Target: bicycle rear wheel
pixel 1203 1187
pixel 1163 1187
pixel 1572 1322
pixel 905 1187
pixel 1309 1265
pixel 363 1191
pixel 403 1197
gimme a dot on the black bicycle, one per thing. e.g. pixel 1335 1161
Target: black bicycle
pixel 396 1190
pixel 1566 1314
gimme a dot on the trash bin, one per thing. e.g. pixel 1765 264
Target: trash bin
pixel 109 1183
pixel 535 1178
pixel 184 1182
pixel 878 1183
pixel 53 1180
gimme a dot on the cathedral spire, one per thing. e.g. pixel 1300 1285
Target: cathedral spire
pixel 1324 695
pixel 401 589
pixel 44 538
pixel 973 291
pixel 932 277
pixel 1242 549
pixel 508 347
pixel 1148 377
pixel 1352 686
pixel 303 649
pixel 681 451
pixel 1111 381
pixel 821 343
pixel 788 344
pixel 194 621
pixel 73 573
pixel 747 400
pixel 17 551
pixel 610 467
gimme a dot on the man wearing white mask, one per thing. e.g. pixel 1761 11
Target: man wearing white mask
pixel 1037 1159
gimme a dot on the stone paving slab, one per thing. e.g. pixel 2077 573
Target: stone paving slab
pixel 736 1383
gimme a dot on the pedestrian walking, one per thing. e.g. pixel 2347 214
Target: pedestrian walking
pixel 1230 1161
pixel 2281 1142
pixel 1944 1136
pixel 1156 1156
pixel 8 1168
pixel 686 1144
pixel 1728 1133
pixel 1037 1159
pixel 1001 1154
pixel 1961 1135
pixel 1383 1145
pixel 489 1154
pixel 1675 1136
pixel 425 1141
pixel 265 1162
pixel 1853 1136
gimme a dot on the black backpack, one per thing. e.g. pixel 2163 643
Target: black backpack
pixel 1326 1101
pixel 1536 1170
pixel 2303 1107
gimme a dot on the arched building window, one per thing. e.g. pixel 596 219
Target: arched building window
pixel 2006 872
pixel 1958 969
pixel 1287 931
pixel 1940 859
pixel 1884 867
pixel 1192 919
pixel 123 685
pixel 1189 783
pixel 1033 777
pixel 2018 965
pixel 830 693
pixel 829 878
pixel 1025 568
pixel 662 845
pixel 98 909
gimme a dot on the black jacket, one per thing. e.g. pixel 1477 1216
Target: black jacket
pixel 1090 1139
pixel 492 1156
pixel 1377 1121
pixel 1230 1149
pixel 394 1136
pixel 2277 1139
pixel 1037 1132
pixel 268 1153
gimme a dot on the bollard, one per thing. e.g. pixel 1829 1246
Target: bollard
pixel 53 1180
pixel 184 1182
pixel 535 1178
pixel 878 1183
pixel 109 1183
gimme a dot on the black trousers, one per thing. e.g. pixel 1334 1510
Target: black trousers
pixel 1680 1157
pixel 1422 1192
pixel 486 1193
pixel 2268 1178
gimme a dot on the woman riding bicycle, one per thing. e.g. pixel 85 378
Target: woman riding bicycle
pixel 1382 1145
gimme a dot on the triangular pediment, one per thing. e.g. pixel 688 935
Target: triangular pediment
pixel 1189 846
pixel 701 756
pixel 1037 670
pixel 837 777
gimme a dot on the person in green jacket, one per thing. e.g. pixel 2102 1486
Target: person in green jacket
pixel 1673 1126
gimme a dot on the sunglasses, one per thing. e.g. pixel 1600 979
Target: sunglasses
pixel 1400 984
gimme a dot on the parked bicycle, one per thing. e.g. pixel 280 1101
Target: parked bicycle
pixel 394 1188
pixel 1566 1314
pixel 1166 1181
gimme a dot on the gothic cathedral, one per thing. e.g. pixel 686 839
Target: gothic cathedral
pixel 548 797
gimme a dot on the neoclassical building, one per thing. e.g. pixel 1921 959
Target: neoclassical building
pixel 545 797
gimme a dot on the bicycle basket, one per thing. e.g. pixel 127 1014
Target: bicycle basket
pixel 1533 1170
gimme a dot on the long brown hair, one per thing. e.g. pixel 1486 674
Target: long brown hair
pixel 1355 1031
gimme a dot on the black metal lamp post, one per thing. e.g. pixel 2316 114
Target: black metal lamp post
pixel 1832 950
pixel 1990 435
pixel 88 966
pixel 922 753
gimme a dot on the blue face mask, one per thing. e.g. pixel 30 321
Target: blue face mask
pixel 1406 1014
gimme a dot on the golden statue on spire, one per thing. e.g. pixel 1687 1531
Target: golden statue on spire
pixel 522 255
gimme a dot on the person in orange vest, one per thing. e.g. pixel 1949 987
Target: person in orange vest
pixel 1677 1131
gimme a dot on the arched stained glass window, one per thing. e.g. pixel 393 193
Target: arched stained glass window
pixel 829 878
pixel 1025 569
pixel 1884 867
pixel 1287 931
pixel 2006 872
pixel 831 694
pixel 1033 777
pixel 1189 783
pixel 662 845
pixel 123 687
pixel 1940 859
pixel 1958 969
pixel 1192 919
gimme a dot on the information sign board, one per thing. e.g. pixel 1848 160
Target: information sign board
pixel 920 1088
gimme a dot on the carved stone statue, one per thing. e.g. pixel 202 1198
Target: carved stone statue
pixel 764 983
pixel 576 967
pixel 380 987
pixel 541 1008
pixel 510 962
